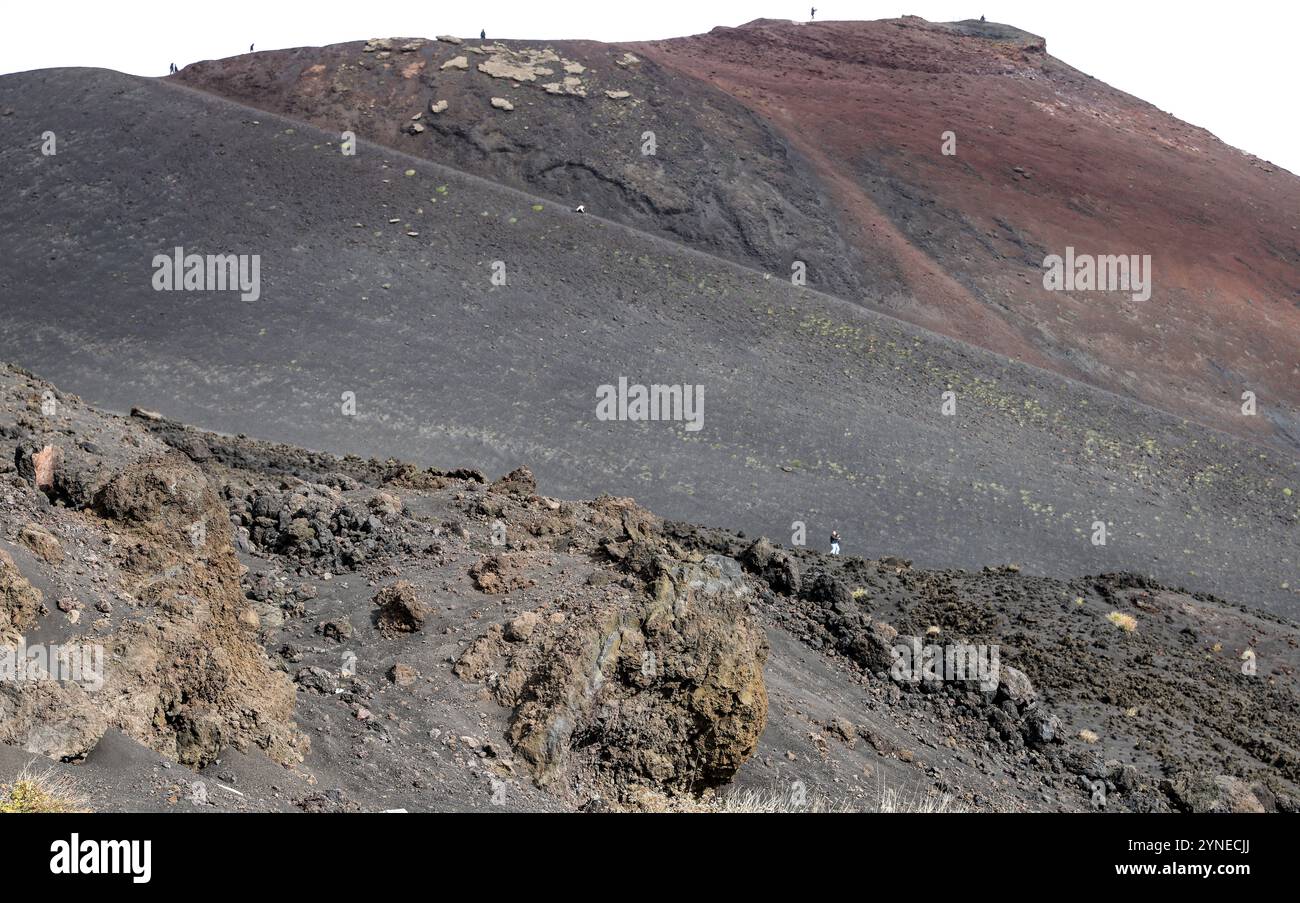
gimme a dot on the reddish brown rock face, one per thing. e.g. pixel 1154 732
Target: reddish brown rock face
pixel 1045 158
pixel 43 464
pixel 835 137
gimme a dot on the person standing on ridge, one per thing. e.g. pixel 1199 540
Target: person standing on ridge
pixel 813 14
pixel 482 35
pixel 835 542
pixel 250 48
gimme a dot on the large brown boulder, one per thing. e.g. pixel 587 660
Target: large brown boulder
pixel 659 690
pixel 186 676
pixel 400 609
pixel 42 543
pixel 49 718
pixel 519 481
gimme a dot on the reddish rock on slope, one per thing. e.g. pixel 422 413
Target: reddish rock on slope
pixel 780 142
pixel 1046 157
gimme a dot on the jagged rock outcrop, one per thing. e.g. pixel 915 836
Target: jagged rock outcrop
pixel 1198 791
pixel 182 670
pixel 655 689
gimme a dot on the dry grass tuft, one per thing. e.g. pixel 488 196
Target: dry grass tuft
pixel 776 799
pixel 1126 623
pixel 45 791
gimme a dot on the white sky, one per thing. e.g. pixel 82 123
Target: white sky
pixel 1228 67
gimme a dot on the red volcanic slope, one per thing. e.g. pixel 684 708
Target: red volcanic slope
pixel 1047 157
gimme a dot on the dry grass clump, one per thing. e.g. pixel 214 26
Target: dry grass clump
pixel 750 800
pixel 46 791
pixel 1126 623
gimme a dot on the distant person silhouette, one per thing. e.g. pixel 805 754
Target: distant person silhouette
pixel 813 14
pixel 835 542
pixel 250 48
pixel 981 18
pixel 482 35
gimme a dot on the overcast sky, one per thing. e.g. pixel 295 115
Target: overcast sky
pixel 1228 67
